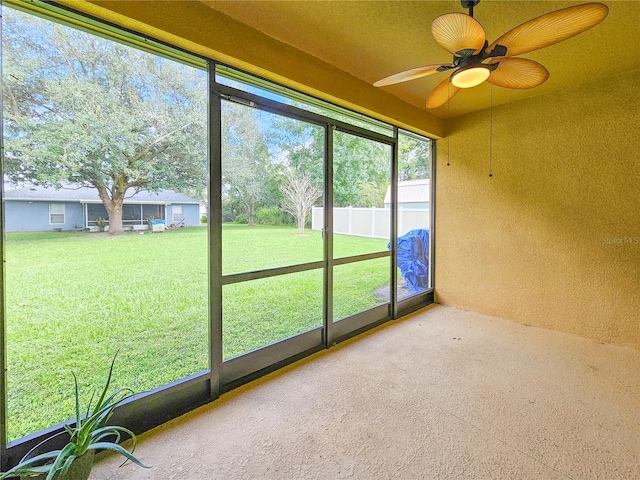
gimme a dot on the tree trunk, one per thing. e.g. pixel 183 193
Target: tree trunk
pixel 113 206
pixel 115 217
pixel 250 212
pixel 301 222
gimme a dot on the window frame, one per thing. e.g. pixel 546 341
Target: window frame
pixel 52 213
pixel 174 212
pixel 149 409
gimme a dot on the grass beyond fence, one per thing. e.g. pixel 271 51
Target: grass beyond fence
pixel 73 299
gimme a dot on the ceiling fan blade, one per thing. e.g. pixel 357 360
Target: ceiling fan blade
pixel 442 93
pixel 551 28
pixel 518 73
pixel 458 31
pixel 411 74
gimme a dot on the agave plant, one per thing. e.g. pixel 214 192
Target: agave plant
pixel 90 433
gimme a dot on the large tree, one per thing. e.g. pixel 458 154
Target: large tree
pixel 81 110
pixel 361 171
pixel 414 158
pixel 245 158
pixel 361 167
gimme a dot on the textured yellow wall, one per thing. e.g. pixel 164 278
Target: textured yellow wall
pixel 553 239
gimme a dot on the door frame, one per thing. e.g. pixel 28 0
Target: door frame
pixel 250 365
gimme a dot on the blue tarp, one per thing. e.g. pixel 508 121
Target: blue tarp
pixel 156 221
pixel 413 259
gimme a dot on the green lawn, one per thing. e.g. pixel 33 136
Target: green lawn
pixel 73 299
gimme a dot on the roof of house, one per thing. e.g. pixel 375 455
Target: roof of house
pixel 411 191
pixel 90 195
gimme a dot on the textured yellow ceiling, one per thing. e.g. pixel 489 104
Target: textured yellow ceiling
pixel 337 49
pixel 373 39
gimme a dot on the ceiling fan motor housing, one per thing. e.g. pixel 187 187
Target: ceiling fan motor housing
pixel 468 57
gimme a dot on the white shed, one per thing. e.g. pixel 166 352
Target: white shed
pixel 411 194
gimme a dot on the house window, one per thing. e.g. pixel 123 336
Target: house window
pixel 56 213
pixel 131 213
pixel 95 211
pixel 177 213
pixel 155 211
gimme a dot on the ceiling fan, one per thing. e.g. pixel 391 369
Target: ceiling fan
pixel 475 61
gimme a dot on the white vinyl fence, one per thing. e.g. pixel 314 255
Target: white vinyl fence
pixel 371 222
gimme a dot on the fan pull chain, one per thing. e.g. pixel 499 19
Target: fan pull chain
pixel 448 133
pixel 491 130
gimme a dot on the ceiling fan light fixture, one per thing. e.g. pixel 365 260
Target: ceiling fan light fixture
pixel 476 61
pixel 470 76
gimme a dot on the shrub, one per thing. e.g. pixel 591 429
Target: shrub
pixel 203 218
pixel 242 218
pixel 269 216
pixel 101 223
pixel 231 208
pixel 288 219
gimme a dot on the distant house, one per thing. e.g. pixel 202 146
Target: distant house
pixel 32 209
pixel 411 194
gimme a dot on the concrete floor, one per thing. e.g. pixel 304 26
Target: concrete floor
pixel 443 394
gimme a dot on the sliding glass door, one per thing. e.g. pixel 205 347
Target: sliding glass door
pixel 272 261
pixel 361 222
pixel 293 277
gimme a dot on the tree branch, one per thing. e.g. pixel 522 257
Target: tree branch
pixel 13 102
pixel 158 140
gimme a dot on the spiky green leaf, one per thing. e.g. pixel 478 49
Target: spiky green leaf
pixel 119 449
